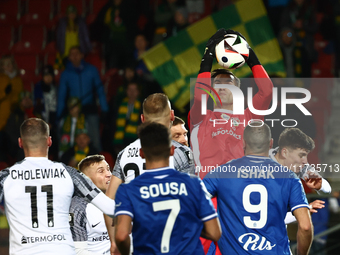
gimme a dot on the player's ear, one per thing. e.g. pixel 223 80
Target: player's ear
pixel 271 143
pixel 284 152
pixel 141 153
pixel 172 150
pixel 142 118
pixel 49 141
pixel 20 143
pixel 243 144
pixel 172 115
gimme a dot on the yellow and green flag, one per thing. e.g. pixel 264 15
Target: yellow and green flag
pixel 174 61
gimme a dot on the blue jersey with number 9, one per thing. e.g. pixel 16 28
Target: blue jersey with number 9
pixel 253 196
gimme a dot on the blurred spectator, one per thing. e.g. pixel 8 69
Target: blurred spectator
pixel 117 23
pixel 141 46
pixel 45 104
pixel 71 124
pixel 274 11
pixel 72 31
pixel 10 87
pixel 178 131
pixel 300 15
pixel 178 22
pixel 128 118
pixel 164 11
pixel 80 150
pixel 195 10
pixel 81 80
pixel 287 44
pixel 45 96
pixel 21 112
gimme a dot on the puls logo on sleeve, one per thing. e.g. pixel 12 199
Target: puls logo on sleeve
pixel 251 241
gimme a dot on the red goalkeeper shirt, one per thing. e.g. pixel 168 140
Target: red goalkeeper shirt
pixel 214 143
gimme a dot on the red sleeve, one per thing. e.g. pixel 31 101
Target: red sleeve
pixel 195 111
pixel 262 98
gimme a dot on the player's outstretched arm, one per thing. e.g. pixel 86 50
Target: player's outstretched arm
pixel 212 230
pixel 122 230
pixel 305 230
pixel 85 188
pixel 111 193
pixel 263 97
pixel 203 79
pixel 317 204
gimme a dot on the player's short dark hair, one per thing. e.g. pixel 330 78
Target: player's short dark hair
pixel 257 136
pixel 89 160
pixel 155 139
pixel 178 121
pixel 294 138
pixel 218 71
pixel 156 106
pixel 34 132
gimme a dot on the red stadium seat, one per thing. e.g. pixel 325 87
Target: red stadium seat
pixel 50 48
pixel 49 59
pixel 3 165
pixel 27 63
pixel 79 4
pixel 10 9
pixel 96 5
pixel 25 47
pixel 44 8
pixel 94 59
pixel 36 35
pixel 6 41
pixel 108 158
pixel 28 80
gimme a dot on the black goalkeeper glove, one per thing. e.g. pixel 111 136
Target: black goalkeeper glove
pixel 209 53
pixel 252 59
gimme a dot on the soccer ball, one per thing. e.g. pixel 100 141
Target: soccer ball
pixel 232 52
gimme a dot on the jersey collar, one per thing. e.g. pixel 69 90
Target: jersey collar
pixel 258 157
pixel 158 169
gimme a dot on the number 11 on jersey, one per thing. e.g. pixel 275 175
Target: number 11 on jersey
pixel 34 206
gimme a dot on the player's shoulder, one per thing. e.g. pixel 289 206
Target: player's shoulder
pixel 78 204
pixel 180 146
pixel 3 175
pixel 182 149
pixel 126 152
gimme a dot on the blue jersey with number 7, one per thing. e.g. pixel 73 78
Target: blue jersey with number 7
pixel 168 209
pixel 253 196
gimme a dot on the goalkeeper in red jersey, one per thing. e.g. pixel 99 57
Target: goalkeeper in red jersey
pixel 215 144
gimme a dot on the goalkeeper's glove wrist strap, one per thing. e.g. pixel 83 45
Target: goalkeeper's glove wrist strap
pixel 252 60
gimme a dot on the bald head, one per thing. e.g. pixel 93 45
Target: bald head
pixel 34 133
pixel 157 108
pixel 257 138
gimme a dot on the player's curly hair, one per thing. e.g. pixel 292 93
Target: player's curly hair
pixel 218 71
pixel 294 138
